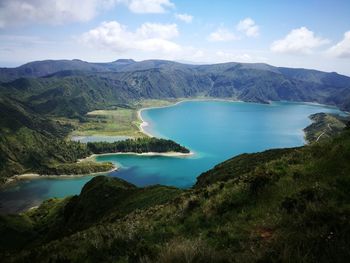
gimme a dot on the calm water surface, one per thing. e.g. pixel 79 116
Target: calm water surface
pixel 213 130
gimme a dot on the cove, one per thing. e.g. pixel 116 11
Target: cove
pixel 213 130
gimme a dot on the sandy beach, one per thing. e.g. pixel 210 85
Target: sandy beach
pixel 143 123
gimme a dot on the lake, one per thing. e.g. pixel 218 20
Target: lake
pixel 213 130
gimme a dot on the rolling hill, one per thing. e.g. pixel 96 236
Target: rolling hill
pixel 283 205
pixel 37 92
pixel 280 205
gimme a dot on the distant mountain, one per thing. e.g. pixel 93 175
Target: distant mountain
pixel 34 93
pixel 72 87
pixel 46 67
pixel 273 206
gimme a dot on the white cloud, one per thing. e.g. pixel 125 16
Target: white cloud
pixel 58 12
pixel 54 12
pixel 222 35
pixel 154 30
pixel 342 48
pixel 300 40
pixel 148 6
pixel 249 27
pixel 148 37
pixel 184 17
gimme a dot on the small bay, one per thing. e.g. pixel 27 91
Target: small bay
pixel 213 130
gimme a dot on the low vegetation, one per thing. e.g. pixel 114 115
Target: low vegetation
pixel 119 121
pixel 33 143
pixel 287 205
pixel 325 126
pixel 86 167
pixel 140 145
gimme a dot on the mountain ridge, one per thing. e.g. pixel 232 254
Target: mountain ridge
pixel 32 69
pixel 71 89
pixel 122 81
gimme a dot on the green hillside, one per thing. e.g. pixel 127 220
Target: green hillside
pixel 284 205
pixel 43 101
pixel 325 126
pixel 34 143
pixel 71 88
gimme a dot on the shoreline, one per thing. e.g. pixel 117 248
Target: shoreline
pixel 30 176
pixel 145 123
pixel 302 130
pixel 166 154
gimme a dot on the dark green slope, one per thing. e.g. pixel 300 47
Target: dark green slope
pixel 103 199
pixel 125 80
pixel 72 94
pixel 46 67
pixel 240 164
pixel 32 143
pixel 288 205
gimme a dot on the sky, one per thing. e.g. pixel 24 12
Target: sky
pixel 299 33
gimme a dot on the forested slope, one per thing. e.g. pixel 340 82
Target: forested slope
pixel 289 205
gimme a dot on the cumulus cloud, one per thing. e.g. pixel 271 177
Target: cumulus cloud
pixel 222 35
pixel 56 12
pixel 300 40
pixel 150 37
pixel 184 17
pixel 154 30
pixel 249 27
pixel 342 48
pixel 148 6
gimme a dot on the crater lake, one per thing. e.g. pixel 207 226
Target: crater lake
pixel 213 130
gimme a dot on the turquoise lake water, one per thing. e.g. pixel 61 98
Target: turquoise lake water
pixel 213 130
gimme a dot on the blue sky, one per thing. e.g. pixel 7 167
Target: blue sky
pixel 309 33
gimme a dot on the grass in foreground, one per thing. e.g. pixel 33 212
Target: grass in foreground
pixel 289 206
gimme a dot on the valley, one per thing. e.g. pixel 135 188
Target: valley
pixel 237 152
pixel 169 131
pixel 214 130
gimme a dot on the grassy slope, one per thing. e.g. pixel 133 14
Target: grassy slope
pixel 36 143
pixel 32 143
pixel 289 206
pixel 325 126
pixel 102 199
pixel 116 122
